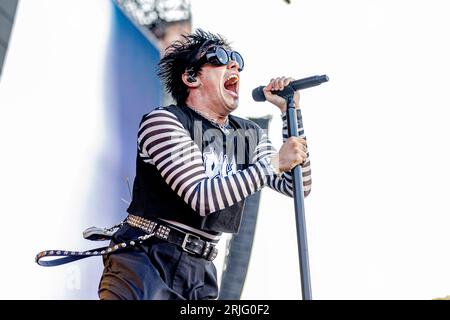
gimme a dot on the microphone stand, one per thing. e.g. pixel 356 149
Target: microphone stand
pixel 302 243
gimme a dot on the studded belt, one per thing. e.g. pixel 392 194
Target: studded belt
pixel 187 241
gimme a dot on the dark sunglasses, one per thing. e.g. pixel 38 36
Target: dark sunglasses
pixel 218 56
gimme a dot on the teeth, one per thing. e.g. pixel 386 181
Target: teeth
pixel 232 79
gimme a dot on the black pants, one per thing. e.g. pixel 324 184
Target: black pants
pixel 156 270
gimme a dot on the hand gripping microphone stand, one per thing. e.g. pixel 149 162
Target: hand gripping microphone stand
pixel 288 94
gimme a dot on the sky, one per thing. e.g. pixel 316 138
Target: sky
pixel 378 215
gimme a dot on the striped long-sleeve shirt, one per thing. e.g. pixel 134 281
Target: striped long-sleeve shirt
pixel 166 144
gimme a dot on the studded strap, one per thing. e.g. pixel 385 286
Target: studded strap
pixel 47 258
pixel 43 258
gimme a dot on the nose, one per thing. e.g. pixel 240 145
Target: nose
pixel 233 65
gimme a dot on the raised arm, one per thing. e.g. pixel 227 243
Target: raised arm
pixel 285 183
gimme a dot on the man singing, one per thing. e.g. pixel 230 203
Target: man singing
pixel 196 164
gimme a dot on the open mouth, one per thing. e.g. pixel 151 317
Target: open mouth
pixel 231 84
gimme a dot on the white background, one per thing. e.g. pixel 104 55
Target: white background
pixel 52 131
pixel 378 214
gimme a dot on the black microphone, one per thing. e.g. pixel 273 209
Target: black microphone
pixel 258 93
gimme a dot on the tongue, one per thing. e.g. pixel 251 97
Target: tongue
pixel 231 88
pixel 230 85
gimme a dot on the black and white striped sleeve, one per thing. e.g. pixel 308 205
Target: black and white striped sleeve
pixel 165 143
pixel 306 167
pixel 283 183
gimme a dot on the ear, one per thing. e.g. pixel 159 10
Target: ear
pixel 190 81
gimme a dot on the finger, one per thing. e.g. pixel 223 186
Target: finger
pixel 298 151
pixel 297 141
pixel 287 81
pixel 291 140
pixel 300 155
pixel 303 141
pixel 270 86
pixel 275 85
pixel 303 148
pixel 279 83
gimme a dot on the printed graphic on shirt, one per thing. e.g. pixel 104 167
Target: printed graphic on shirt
pixel 218 165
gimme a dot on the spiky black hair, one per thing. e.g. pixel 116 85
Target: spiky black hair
pixel 180 56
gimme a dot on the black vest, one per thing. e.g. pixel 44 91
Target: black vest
pixel 153 198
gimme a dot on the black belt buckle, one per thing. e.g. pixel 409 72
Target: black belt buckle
pixel 186 240
pixel 207 251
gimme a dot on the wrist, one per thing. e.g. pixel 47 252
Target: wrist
pixel 274 163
